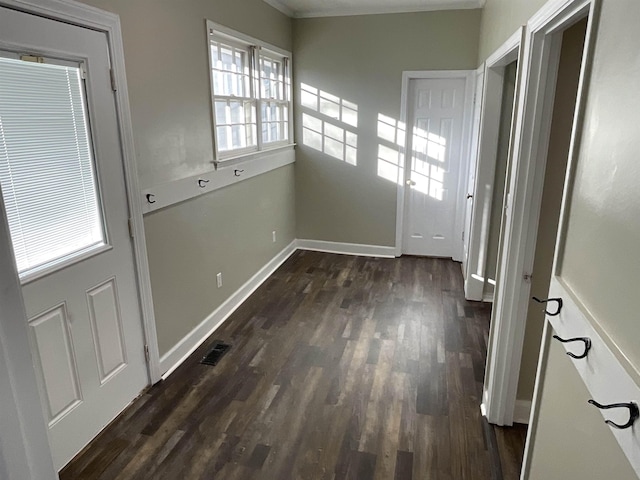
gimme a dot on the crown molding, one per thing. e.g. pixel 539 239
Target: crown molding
pixel 281 7
pixel 378 10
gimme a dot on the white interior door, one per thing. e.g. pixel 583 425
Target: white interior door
pixel 473 164
pixel 63 186
pixel 434 156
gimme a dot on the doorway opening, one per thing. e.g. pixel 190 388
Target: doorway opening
pixel 548 117
pixel 494 147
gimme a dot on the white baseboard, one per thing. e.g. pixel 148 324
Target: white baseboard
pixel 522 411
pixel 185 347
pixel 347 248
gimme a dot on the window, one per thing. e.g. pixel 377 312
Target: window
pixel 46 164
pixel 251 94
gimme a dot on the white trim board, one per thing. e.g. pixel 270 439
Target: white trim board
pixel 346 248
pixel 281 7
pixel 607 374
pixel 370 10
pixel 171 193
pixel 522 411
pixel 530 140
pixel 407 76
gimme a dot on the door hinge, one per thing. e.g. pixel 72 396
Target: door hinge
pixel 463 236
pixel 147 355
pixel 83 71
pixel 527 277
pixel 130 224
pixel 114 85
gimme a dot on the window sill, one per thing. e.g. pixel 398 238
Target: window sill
pixel 245 157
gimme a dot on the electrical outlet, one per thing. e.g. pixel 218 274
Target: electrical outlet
pixel 273 234
pixel 219 279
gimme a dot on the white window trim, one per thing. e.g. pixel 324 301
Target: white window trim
pixel 265 49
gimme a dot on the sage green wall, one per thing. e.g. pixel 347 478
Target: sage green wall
pixel 571 440
pixel 165 47
pixel 504 138
pixel 601 263
pixel 361 59
pixel 557 158
pixel 500 19
pixel 219 232
pixel 226 231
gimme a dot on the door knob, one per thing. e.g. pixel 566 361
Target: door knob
pixel 411 183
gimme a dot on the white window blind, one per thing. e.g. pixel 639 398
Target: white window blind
pixel 46 164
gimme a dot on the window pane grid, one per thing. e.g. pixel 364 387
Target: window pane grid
pixel 275 121
pixel 250 96
pixel 46 164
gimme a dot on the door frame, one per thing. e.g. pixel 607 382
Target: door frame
pixel 474 151
pixel 407 76
pixel 34 455
pixel 540 60
pixel 82 15
pixel 495 65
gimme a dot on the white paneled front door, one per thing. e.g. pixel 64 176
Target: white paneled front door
pixel 434 158
pixel 76 266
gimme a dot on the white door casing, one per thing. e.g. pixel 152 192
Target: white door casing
pixel 478 232
pixel 84 319
pixel 473 164
pixel 539 65
pixel 437 147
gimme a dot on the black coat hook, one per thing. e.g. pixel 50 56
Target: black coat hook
pixel 587 345
pixel 237 172
pixel 557 312
pixel 150 197
pixel 202 183
pixel 634 413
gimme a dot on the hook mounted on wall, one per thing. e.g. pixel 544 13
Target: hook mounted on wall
pixel 551 314
pixel 150 198
pixel 237 172
pixel 202 183
pixel 587 345
pixel 634 413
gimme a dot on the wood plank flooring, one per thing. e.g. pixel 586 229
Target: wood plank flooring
pixel 341 367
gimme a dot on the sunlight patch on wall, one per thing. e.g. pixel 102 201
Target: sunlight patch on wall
pixel 391 134
pixel 329 139
pixel 327 130
pixel 327 104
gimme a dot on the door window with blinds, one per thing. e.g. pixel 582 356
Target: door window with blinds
pixel 47 170
pixel 251 94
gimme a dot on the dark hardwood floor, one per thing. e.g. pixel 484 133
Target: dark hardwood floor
pixel 340 367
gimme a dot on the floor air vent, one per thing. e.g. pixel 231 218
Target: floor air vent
pixel 216 353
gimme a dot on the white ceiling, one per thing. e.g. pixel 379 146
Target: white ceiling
pixel 330 8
